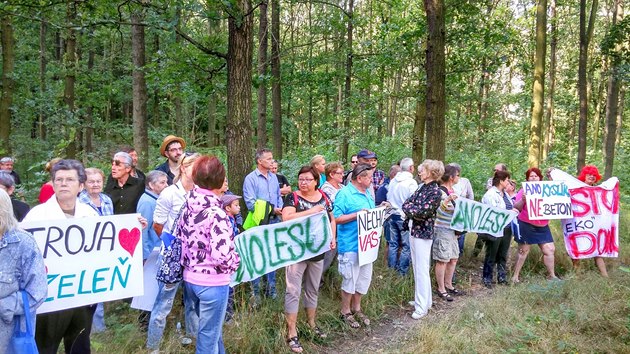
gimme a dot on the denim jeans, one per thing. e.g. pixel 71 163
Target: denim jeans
pixel 271 276
pixel 211 304
pixel 98 322
pixel 398 240
pixel 162 307
pixel 461 240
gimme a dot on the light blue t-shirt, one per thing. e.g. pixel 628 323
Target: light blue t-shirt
pixel 347 201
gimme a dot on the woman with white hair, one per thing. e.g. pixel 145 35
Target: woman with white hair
pixel 420 210
pixel 21 269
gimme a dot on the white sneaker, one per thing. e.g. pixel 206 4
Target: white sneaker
pixel 412 303
pixel 417 315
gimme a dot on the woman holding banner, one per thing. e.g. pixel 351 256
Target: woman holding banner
pixel 420 210
pixel 590 175
pixel 307 200
pixel 208 254
pixel 532 232
pixel 21 269
pixel 497 248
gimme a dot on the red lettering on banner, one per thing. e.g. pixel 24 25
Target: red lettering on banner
pixel 587 200
pixel 606 240
pixel 534 207
pixel 572 240
pixel 368 241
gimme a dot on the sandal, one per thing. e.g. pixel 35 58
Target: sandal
pixel 454 291
pixel 445 296
pixel 294 344
pixel 350 320
pixel 318 332
pixel 362 317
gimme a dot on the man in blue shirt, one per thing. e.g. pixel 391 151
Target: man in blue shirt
pixel 356 279
pixel 263 184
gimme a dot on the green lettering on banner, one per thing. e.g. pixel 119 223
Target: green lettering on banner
pixel 263 249
pixel 477 217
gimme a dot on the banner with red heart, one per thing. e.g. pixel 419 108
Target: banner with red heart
pixel 128 239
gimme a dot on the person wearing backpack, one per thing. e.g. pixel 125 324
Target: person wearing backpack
pixel 307 200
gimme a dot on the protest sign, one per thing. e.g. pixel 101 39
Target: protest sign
pixel 151 288
pixel 594 229
pixel 263 249
pixel 370 228
pixel 89 260
pixel 473 216
pixel 547 200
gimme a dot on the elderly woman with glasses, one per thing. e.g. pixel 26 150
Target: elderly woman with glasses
pixel 307 200
pixel 356 279
pixel 167 207
pixel 420 210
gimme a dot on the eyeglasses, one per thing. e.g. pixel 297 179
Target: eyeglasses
pixel 337 173
pixel 68 180
pixel 354 161
pixel 363 169
pixel 118 163
pixel 305 180
pixel 174 149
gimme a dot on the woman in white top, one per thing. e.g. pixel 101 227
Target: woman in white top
pixel 167 208
pixel 497 247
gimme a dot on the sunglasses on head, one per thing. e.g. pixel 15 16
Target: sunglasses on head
pixel 118 163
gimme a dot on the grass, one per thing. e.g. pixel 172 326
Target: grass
pixel 583 313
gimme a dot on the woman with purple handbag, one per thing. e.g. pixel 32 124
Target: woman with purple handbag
pixel 23 284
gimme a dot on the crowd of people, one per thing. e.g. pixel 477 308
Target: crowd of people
pixel 187 198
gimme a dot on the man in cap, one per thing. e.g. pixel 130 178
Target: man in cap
pixel 6 164
pixel 172 148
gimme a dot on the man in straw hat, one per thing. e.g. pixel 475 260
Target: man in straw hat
pixel 172 148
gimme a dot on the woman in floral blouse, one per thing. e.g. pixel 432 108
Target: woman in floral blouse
pixel 208 254
pixel 420 210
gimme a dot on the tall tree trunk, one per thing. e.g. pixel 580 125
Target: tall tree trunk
pixel 612 102
pixel 180 124
pixel 533 159
pixel 89 119
pixel 435 68
pixel 549 125
pixel 262 75
pixel 155 105
pixel 622 96
pixel 276 102
pixel 42 77
pixel 8 84
pixel 347 105
pixel 586 33
pixel 417 147
pixel 391 127
pixel 381 100
pixel 239 132
pixel 70 59
pixel 597 111
pixel 140 132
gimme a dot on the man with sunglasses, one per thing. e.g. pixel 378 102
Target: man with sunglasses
pixel 126 189
pixel 354 160
pixel 172 148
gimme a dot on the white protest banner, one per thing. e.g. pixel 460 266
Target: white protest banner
pixel 473 216
pixel 594 229
pixel 151 288
pixel 89 260
pixel 263 249
pixel 370 225
pixel 547 200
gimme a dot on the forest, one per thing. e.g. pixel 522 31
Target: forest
pixel 528 83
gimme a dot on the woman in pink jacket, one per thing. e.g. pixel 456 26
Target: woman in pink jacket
pixel 208 254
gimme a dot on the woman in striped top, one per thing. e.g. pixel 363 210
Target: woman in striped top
pixel 445 251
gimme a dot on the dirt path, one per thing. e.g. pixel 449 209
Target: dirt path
pixel 396 325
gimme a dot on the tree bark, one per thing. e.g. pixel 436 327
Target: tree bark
pixel 538 99
pixel 89 119
pixel 612 103
pixel 70 59
pixel 140 132
pixel 42 77
pixel 586 33
pixel 8 84
pixel 239 132
pixel 262 75
pixel 276 102
pixel 435 68
pixel 549 124
pixel 347 104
